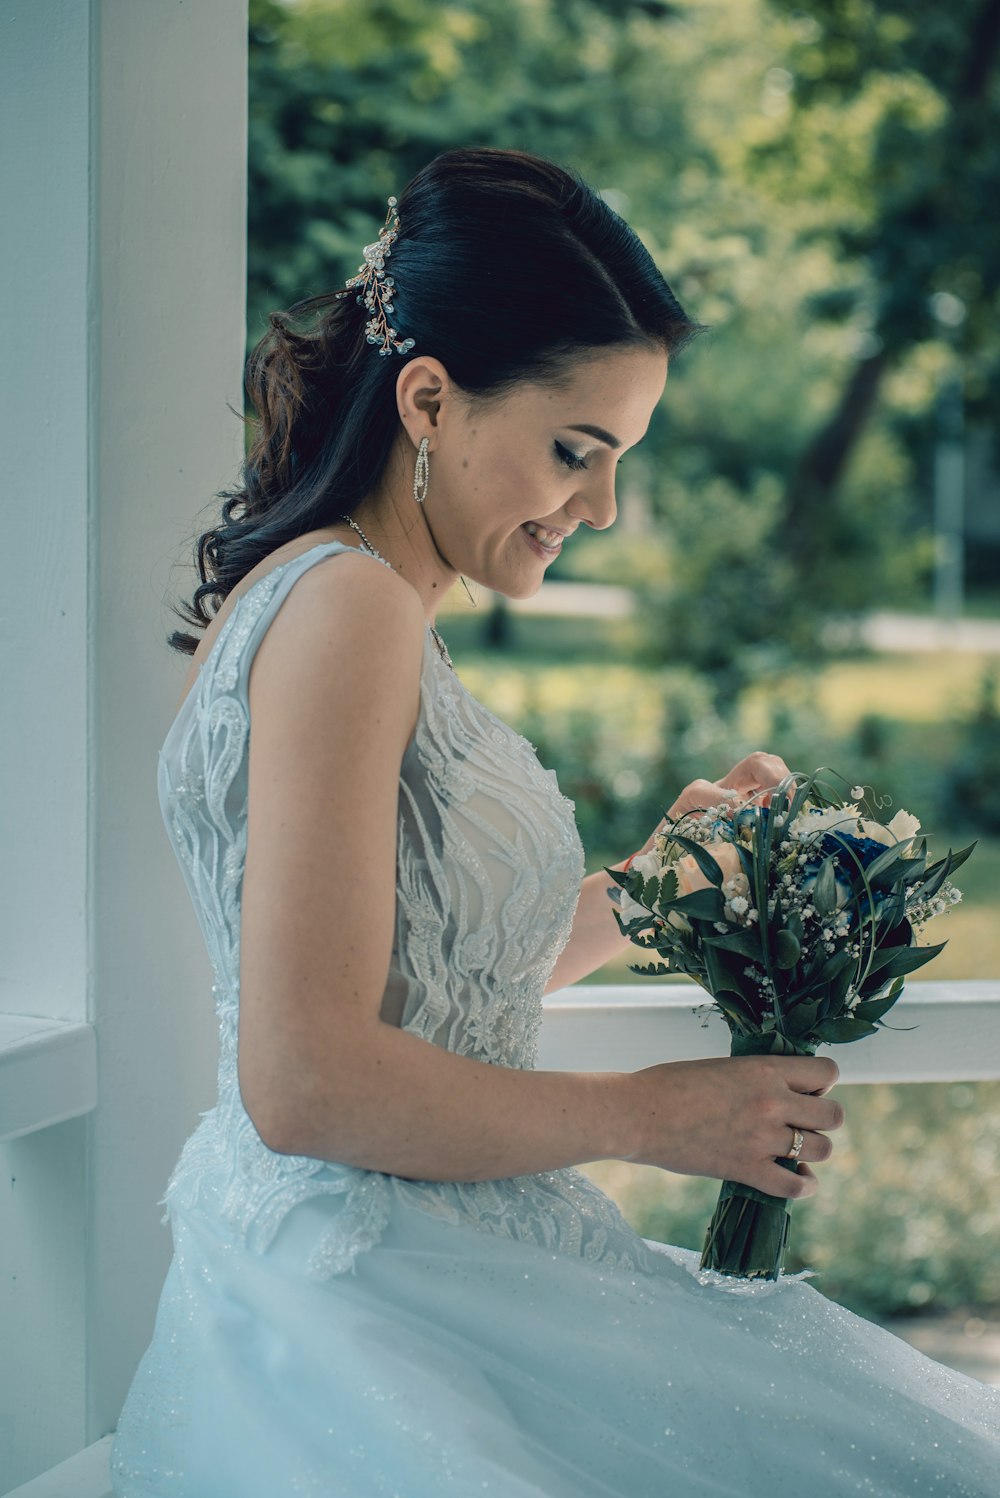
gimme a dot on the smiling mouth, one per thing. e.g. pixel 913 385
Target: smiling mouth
pixel 548 540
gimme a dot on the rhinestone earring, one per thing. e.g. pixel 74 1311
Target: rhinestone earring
pixel 421 472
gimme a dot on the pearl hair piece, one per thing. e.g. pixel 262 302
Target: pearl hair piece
pixel 376 288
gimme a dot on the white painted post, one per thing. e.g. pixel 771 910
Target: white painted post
pixel 122 274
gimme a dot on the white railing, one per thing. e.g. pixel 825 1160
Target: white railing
pixel 941 1032
pixel 936 1032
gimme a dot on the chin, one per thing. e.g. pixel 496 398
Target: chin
pixel 528 589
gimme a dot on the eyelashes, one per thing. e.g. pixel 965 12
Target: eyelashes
pixel 569 459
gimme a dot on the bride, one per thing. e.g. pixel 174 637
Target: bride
pixel 389 1277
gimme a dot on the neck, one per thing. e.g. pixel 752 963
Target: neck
pixel 400 529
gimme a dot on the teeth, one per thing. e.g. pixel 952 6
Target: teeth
pixel 546 537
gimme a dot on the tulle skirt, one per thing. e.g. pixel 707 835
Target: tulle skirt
pixel 456 1362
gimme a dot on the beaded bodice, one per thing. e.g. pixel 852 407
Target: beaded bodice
pixel 489 869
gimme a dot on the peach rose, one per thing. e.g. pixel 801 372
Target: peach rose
pixel 689 875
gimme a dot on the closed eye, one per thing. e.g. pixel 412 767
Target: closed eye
pixel 570 459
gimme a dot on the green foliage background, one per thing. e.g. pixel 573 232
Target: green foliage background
pixel 812 176
pixel 806 175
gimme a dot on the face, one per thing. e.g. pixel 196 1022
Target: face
pixel 498 468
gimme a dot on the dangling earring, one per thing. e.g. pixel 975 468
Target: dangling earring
pixel 421 481
pixel 421 472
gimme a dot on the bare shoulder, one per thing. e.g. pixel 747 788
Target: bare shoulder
pixel 348 622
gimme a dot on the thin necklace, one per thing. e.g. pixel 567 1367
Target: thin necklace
pixel 440 643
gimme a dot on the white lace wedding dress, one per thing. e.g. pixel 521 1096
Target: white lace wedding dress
pixel 325 1329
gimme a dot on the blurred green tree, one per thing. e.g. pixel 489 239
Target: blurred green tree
pixel 806 173
pixel 920 82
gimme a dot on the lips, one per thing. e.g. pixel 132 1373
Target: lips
pixel 538 547
pixel 546 533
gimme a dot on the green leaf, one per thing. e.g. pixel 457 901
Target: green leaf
pixel 734 1011
pixel 839 984
pixel 800 1018
pixel 873 1009
pixel 840 1031
pixel 703 904
pixel 884 869
pixel 651 969
pixel 908 959
pixel 721 976
pixel 831 968
pixel 937 876
pixel 824 895
pixel 886 950
pixel 702 858
pixel 914 869
pixel 957 859
pixel 787 948
pixel 747 943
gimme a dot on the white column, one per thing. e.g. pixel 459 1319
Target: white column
pixel 122 272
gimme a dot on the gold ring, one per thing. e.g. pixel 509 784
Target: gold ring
pixel 797 1141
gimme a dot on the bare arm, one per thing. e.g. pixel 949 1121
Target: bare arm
pixel 595 938
pixel 334 693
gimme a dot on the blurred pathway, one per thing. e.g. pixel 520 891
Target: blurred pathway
pixel 589 600
pixel 879 631
pixel 923 632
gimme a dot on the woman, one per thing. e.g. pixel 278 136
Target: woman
pixel 389 1278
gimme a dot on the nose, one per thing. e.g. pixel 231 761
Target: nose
pixel 597 505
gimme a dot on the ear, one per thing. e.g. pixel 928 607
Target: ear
pixel 422 390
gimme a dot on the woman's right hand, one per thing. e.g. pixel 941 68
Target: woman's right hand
pixel 730 1117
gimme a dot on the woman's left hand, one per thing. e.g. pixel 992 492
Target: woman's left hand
pixel 758 772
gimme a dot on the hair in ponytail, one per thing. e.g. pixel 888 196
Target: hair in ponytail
pixel 507 268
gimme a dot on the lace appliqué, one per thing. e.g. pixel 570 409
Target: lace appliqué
pixel 562 1210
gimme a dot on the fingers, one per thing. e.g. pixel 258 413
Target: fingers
pixel 811 1074
pixel 815 1146
pixel 695 797
pixel 816 1113
pixel 781 1182
pixel 757 772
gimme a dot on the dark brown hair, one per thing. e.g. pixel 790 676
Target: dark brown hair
pixel 507 268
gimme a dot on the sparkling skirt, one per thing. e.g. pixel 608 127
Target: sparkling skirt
pixel 454 1361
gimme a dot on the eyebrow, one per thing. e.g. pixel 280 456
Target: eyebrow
pixel 599 433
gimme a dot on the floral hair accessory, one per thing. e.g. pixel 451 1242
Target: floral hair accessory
pixel 376 288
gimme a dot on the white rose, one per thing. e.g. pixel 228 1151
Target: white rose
pixel 631 910
pixel 899 832
pixel 904 826
pixel 813 822
pixel 649 865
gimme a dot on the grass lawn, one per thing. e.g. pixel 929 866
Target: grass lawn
pixel 901 709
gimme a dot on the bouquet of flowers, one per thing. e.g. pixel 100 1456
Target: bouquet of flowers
pixel 799 918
